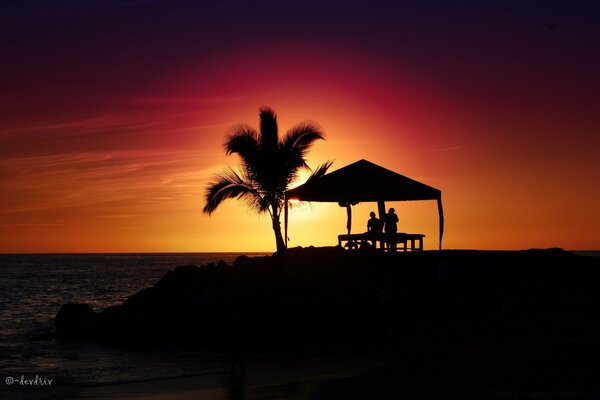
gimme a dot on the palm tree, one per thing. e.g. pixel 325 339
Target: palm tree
pixel 268 165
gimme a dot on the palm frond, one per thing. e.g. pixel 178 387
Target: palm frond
pixel 293 149
pixel 244 141
pixel 316 173
pixel 241 139
pixel 298 141
pixel 304 133
pixel 230 185
pixel 269 132
pixel 320 171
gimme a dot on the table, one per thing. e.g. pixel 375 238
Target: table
pixel 387 241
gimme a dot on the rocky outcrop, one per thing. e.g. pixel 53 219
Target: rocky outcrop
pixel 330 295
pixel 78 320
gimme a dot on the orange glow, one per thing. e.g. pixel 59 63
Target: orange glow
pixel 136 182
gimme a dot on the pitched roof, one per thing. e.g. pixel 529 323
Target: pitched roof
pixel 363 181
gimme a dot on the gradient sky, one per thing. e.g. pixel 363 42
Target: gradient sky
pixel 113 115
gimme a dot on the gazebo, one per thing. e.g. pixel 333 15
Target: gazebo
pixel 364 181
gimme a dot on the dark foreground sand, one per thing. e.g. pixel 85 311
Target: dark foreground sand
pixel 411 372
pixel 303 379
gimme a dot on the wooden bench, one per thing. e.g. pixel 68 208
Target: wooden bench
pixel 387 241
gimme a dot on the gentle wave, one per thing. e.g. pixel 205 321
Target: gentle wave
pixel 33 288
pixel 588 253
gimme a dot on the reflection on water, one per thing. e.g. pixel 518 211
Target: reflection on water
pixel 33 288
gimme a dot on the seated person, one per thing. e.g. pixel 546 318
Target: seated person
pixel 373 225
pixel 391 221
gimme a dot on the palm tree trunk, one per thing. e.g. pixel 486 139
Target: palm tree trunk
pixel 277 229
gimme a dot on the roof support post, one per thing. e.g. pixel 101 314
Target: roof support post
pixel 285 221
pixel 441 216
pixel 349 213
pixel 381 209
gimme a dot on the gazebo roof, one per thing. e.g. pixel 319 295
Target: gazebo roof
pixel 363 181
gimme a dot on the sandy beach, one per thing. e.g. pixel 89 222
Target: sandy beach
pixel 294 379
pixel 419 372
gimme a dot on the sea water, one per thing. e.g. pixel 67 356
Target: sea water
pixel 34 286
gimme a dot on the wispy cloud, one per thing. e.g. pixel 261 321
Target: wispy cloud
pixel 100 180
pixel 118 216
pixel 186 100
pixel 94 128
pixel 84 124
pixel 442 149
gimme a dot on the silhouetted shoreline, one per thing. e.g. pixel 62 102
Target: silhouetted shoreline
pixel 457 321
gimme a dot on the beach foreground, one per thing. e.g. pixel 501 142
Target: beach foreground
pixel 297 379
pixel 367 325
pixel 466 373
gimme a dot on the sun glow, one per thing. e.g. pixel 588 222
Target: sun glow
pixel 512 146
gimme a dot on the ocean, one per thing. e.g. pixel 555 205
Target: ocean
pixel 34 286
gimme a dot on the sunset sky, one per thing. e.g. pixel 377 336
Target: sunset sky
pixel 113 116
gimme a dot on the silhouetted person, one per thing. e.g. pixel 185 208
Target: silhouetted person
pixel 236 389
pixel 391 227
pixel 373 225
pixel 232 338
pixel 237 362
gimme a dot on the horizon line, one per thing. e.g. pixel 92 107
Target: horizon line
pixel 269 252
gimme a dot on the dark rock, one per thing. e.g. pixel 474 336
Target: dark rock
pixel 328 295
pixel 241 261
pixel 75 319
